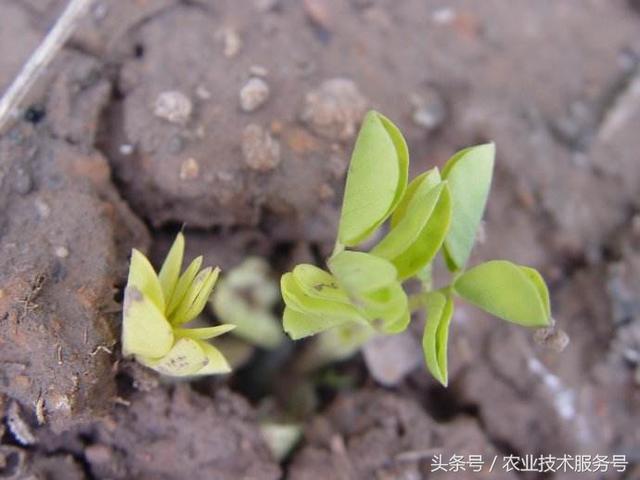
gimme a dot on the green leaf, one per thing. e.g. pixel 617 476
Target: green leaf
pixel 469 174
pixel 541 285
pixel 436 334
pixel 306 315
pixel 183 285
pixel 359 272
pixel 143 277
pixel 318 283
pixel 419 233
pixel 509 291
pixel 405 232
pixel 254 324
pixel 428 243
pixel 426 181
pixel 376 180
pixel 170 270
pixel 145 330
pixel 387 308
pixel 299 324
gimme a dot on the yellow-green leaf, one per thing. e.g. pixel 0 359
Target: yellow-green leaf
pixel 217 364
pixel 203 296
pixel 506 290
pixel 145 330
pixel 196 296
pixel 436 334
pixel 469 174
pixel 318 283
pixel 185 358
pixel 183 285
pixel 386 309
pixel 376 180
pixel 143 277
pixel 299 324
pixel 170 270
pixel 330 313
pixel 203 333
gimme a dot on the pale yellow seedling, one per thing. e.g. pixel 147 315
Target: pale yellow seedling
pixel 157 306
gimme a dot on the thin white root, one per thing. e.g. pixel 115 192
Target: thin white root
pixel 40 59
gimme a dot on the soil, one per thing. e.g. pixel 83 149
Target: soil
pixel 234 121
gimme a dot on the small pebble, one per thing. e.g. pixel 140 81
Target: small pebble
pixel 61 252
pixel 23 182
pixel 258 71
pixel 126 149
pixel 260 150
pixel 552 338
pixel 334 109
pixel 203 93
pixel 232 43
pixel 254 94
pixel 318 12
pixel 444 16
pixel 326 192
pixel 429 110
pixel 190 169
pixel 42 208
pixel 173 106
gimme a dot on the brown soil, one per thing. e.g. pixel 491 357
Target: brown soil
pixel 152 119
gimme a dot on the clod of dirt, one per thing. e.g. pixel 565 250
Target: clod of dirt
pixel 260 150
pixel 63 249
pixel 429 109
pixel 173 106
pixel 374 434
pixel 182 435
pixel 254 94
pixel 334 109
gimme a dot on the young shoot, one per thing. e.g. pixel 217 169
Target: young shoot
pixel 245 298
pixel 156 308
pixel 436 212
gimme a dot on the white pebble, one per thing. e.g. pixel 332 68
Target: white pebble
pixel 254 94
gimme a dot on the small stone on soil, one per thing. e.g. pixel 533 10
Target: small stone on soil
pixel 429 110
pixel 61 252
pixel 258 71
pixel 335 109
pixel 126 149
pixel 232 43
pixel 261 151
pixel 254 94
pixel 173 106
pixel 190 169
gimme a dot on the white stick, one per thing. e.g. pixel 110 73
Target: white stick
pixel 39 60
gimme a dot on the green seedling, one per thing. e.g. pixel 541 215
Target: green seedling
pixel 361 294
pixel 156 309
pixel 245 298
